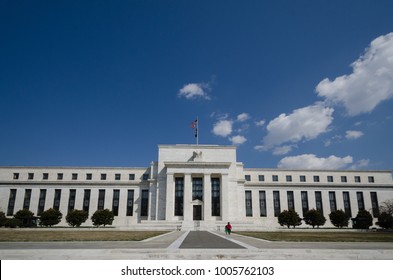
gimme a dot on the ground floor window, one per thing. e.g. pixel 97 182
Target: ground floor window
pixel 347 204
pixel 276 203
pixel 26 200
pixel 101 199
pixel 197 188
pixel 41 202
pixel 248 204
pixel 262 203
pixel 86 200
pixel 318 201
pixel 11 202
pixel 359 196
pixel 115 202
pixel 57 199
pixel 291 203
pixel 215 197
pixel 179 196
pixel 130 202
pixel 304 197
pixel 374 204
pixel 332 200
pixel 71 200
pixel 144 203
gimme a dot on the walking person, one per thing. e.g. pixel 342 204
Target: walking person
pixel 228 229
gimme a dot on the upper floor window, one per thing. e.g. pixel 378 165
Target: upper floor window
pixel 131 177
pixel 316 178
pixel 59 176
pixel 45 176
pixel 30 176
pixel 343 179
pixel 371 179
pixel 145 177
pixel 74 176
pixel 117 176
pixel 89 176
pixel 261 178
pixel 330 179
pixel 275 178
pixel 357 179
pixel 16 176
pixel 302 178
pixel 103 176
pixel 289 178
pixel 247 177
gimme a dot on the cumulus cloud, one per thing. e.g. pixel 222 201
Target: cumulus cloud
pixel 223 128
pixel 360 164
pixel 238 140
pixel 283 150
pixel 302 124
pixel 194 91
pixel 370 83
pixel 353 134
pixel 260 123
pixel 243 117
pixel 311 161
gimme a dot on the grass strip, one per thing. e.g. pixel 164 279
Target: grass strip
pixel 77 235
pixel 322 236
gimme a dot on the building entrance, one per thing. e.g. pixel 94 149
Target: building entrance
pixel 197 212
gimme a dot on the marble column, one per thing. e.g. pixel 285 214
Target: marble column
pixel 187 211
pixel 207 197
pixel 170 197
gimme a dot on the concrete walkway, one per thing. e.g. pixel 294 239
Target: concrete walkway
pixel 196 245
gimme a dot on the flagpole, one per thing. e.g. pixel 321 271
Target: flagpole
pixel 197 132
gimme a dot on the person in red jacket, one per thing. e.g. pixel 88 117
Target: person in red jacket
pixel 228 229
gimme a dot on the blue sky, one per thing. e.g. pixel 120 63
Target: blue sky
pixel 294 84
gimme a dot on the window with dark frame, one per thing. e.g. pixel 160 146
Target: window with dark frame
pixel 332 201
pixel 318 201
pixel 216 206
pixel 57 199
pixel 197 188
pixel 347 204
pixel 101 199
pixel 86 200
pixel 41 202
pixel 291 202
pixel 145 203
pixel 115 202
pixel 11 202
pixel 359 196
pixel 374 204
pixel 179 196
pixel 304 198
pixel 276 203
pixel 262 203
pixel 27 199
pixel 248 203
pixel 71 200
pixel 130 203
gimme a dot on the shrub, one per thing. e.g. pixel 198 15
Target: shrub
pixel 50 217
pixel 76 217
pixel 102 217
pixel 3 219
pixel 26 218
pixel 385 220
pixel 314 218
pixel 363 220
pixel 339 218
pixel 289 218
pixel 13 223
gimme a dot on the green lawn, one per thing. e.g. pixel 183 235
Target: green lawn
pixel 322 236
pixel 74 235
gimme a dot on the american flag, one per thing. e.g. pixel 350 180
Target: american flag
pixel 194 124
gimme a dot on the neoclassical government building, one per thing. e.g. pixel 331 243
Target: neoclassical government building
pixel 192 187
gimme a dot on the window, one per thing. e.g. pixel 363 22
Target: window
pixel 131 177
pixel 197 188
pixel 56 201
pixel 179 196
pixel 86 201
pixel 247 177
pixel 371 179
pixel 30 176
pixel 130 202
pixel 216 197
pixel 347 204
pixel 304 197
pixel 74 176
pixel 59 176
pixel 145 203
pixel 291 203
pixel 71 200
pixel 374 204
pixel 103 176
pixel 276 203
pixel 357 179
pixel 26 200
pixel 145 177
pixel 117 177
pixel 101 199
pixel 302 178
pixel 343 179
pixel 41 202
pixel 115 202
pixel 261 178
pixel 11 202
pixel 16 176
pixel 262 203
pixel 316 178
pixel 318 201
pixel 330 179
pixel 89 176
pixel 248 204
pixel 360 199
pixel 332 200
pixel 288 178
pixel 275 178
pixel 45 176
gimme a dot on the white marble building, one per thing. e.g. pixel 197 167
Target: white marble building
pixel 192 186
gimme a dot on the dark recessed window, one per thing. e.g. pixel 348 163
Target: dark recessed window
pixel 145 177
pixel 117 176
pixel 45 176
pixel 357 179
pixel 30 176
pixel 16 176
pixel 247 177
pixel 103 176
pixel 59 176
pixel 261 178
pixel 343 179
pixel 302 178
pixel 371 179
pixel 288 178
pixel 131 177
pixel 89 176
pixel 316 178
pixel 330 179
pixel 275 178
pixel 74 176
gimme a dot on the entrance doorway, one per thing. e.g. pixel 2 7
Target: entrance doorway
pixel 197 212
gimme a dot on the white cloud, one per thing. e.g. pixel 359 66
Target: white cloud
pixel 243 117
pixel 260 123
pixel 311 161
pixel 370 83
pixel 223 128
pixel 194 91
pixel 353 134
pixel 360 164
pixel 303 124
pixel 283 150
pixel 238 140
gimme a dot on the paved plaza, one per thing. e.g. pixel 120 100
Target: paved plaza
pixel 201 245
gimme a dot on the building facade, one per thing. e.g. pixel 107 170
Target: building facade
pixel 192 187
